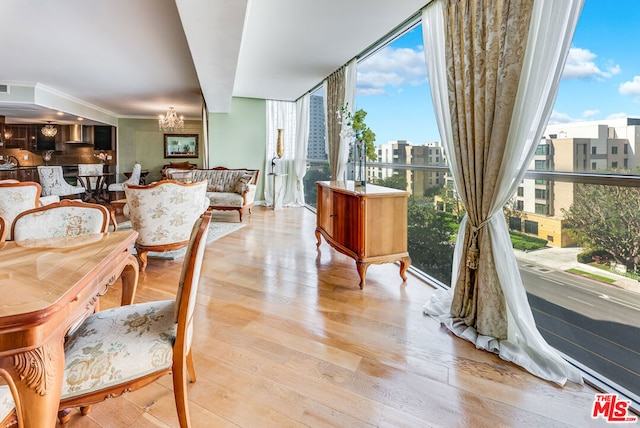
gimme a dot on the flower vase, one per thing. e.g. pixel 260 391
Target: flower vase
pixel 360 163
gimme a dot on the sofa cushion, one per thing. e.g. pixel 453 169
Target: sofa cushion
pixel 225 199
pixel 242 183
pixel 225 178
pixel 183 176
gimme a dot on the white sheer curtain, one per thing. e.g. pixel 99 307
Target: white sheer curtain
pixel 302 142
pixel 350 77
pixel 551 29
pixel 205 135
pixel 281 115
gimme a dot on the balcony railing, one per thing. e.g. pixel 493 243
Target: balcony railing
pixel 587 310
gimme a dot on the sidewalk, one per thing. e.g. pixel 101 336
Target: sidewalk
pixel 565 258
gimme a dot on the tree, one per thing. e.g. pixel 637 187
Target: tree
pixel 394 182
pixel 608 217
pixel 429 244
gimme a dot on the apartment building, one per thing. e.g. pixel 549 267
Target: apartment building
pixel 581 147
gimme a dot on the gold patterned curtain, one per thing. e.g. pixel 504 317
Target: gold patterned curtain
pixel 494 70
pixel 486 41
pixel 334 99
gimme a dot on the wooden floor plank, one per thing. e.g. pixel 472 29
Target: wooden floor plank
pixel 285 338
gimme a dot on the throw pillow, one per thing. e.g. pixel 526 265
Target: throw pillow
pixel 215 188
pixel 182 176
pixel 241 185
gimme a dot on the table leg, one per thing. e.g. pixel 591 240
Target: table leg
pixel 129 277
pixel 405 262
pixel 37 375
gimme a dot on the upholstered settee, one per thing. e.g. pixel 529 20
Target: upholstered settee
pixel 168 169
pixel 227 188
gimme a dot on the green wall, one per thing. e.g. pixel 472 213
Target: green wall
pixel 237 139
pixel 140 140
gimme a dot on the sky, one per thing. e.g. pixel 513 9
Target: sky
pixel 601 77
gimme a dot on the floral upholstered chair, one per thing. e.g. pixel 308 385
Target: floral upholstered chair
pixel 64 218
pixel 15 198
pixel 128 347
pixel 53 182
pixel 163 213
pixel 134 178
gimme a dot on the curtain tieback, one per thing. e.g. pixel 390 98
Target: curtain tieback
pixel 473 253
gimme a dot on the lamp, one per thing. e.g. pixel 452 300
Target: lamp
pixel 49 130
pixel 170 121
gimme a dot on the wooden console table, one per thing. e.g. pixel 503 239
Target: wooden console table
pixel 367 224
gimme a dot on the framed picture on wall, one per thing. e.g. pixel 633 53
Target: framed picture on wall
pixel 180 145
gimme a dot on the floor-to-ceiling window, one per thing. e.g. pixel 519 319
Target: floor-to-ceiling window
pixel 575 219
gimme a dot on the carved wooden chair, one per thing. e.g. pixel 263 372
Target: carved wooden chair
pixel 64 218
pixel 128 347
pixel 162 214
pixel 53 182
pixel 3 229
pixel 16 197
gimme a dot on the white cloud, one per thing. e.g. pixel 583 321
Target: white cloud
pixel 590 113
pixel 391 67
pixel 557 118
pixel 631 88
pixel 581 64
pixel 620 115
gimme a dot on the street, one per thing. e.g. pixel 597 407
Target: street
pixel 590 321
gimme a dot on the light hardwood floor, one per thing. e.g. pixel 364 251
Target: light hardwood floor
pixel 285 338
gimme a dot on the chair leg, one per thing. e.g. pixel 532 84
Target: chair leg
pixel 190 368
pixel 64 416
pixel 179 376
pixel 142 256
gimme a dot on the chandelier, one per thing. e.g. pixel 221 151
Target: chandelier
pixel 49 130
pixel 170 121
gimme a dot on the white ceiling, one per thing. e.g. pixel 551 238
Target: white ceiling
pixel 104 60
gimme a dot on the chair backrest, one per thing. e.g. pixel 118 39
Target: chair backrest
pixel 135 175
pixel 91 169
pixel 189 280
pixel 53 182
pixel 163 213
pixel 64 218
pixel 17 197
pixel 3 229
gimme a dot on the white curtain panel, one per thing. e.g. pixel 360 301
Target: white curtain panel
pixel 281 115
pixel 350 76
pixel 205 135
pixel 551 30
pixel 302 143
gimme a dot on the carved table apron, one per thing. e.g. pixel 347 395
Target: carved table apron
pixel 46 285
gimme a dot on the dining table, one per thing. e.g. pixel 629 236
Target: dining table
pixel 95 186
pixel 46 287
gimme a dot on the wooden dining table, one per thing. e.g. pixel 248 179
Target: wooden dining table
pixel 46 286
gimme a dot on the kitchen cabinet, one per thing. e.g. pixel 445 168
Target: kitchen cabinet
pixel 46 143
pixel 19 137
pixel 103 137
pixel 368 224
pixel 20 174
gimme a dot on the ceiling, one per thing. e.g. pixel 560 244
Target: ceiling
pixel 106 60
